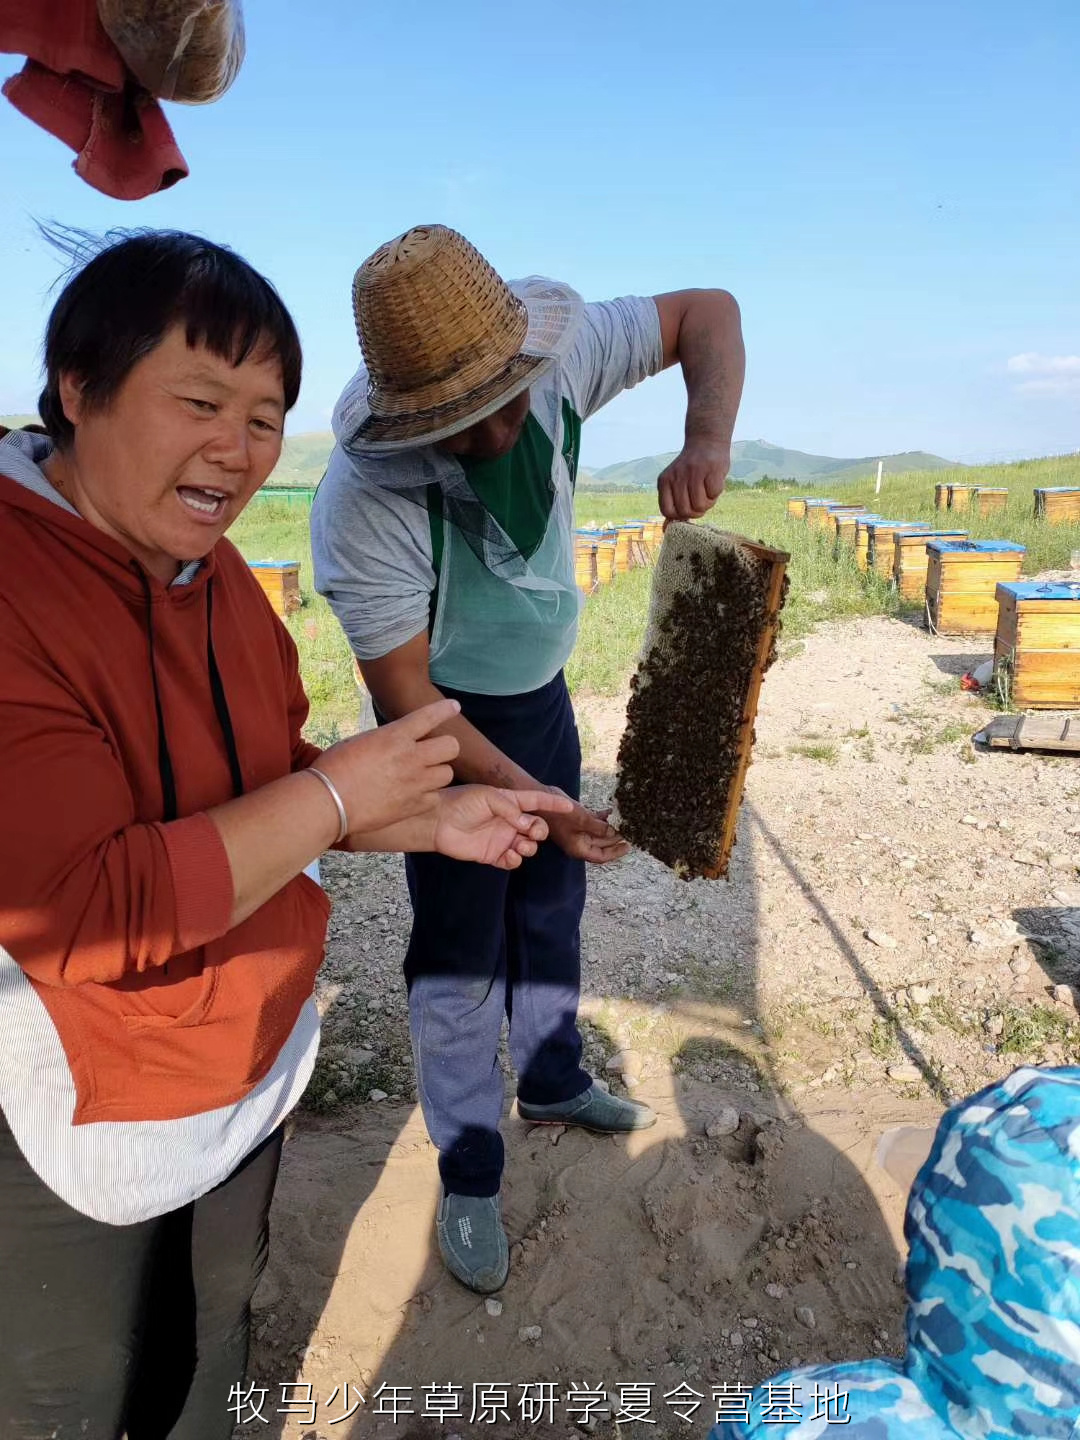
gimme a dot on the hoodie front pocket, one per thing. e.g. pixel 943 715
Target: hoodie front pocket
pixel 195 1013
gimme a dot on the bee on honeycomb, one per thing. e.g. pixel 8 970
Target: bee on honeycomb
pixel 711 635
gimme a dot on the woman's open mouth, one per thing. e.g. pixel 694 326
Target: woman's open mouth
pixel 203 502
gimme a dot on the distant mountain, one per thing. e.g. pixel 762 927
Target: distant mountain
pixel 304 458
pixel 752 460
pixel 16 422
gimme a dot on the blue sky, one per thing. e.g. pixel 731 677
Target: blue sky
pixel 889 187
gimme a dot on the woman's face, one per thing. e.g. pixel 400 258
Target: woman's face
pixel 168 465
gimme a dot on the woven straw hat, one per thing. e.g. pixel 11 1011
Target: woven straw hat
pixel 446 342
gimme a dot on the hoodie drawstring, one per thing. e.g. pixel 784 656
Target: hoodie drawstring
pixel 221 707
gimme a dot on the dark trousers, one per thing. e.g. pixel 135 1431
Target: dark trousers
pixel 143 1329
pixel 489 942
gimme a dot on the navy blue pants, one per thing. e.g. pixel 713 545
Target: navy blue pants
pixel 489 942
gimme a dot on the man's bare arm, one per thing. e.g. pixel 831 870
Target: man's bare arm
pixel 701 330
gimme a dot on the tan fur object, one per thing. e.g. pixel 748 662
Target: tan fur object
pixel 185 50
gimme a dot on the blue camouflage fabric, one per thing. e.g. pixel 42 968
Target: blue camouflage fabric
pixel 993 1287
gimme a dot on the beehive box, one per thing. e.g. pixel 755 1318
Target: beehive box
pixel 585 571
pixel 990 498
pixel 862 539
pixel 817 513
pixel 713 619
pixel 279 581
pixel 880 534
pixel 838 513
pixel 796 507
pixel 843 523
pixel 1058 505
pixel 653 533
pixel 605 559
pixel 961 583
pixel 910 559
pixel 960 497
pixel 629 547
pixel 1037 645
pixel 941 496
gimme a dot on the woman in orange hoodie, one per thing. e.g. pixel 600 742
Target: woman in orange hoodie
pixel 159 938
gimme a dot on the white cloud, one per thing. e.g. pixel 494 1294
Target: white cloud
pixel 1054 375
pixel 1031 363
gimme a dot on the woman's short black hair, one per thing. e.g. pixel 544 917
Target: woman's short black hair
pixel 116 309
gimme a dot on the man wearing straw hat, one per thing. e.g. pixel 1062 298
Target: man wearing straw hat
pixel 442 536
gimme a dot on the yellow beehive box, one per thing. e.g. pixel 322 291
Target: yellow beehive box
pixel 910 559
pixel 960 497
pixel 624 550
pixel 835 513
pixel 843 524
pixel 585 572
pixel 862 539
pixel 653 534
pixel 1037 645
pixel 605 559
pixel 961 583
pixel 990 498
pixel 817 513
pixel 279 581
pixel 796 507
pixel 880 543
pixel 1058 505
pixel 941 496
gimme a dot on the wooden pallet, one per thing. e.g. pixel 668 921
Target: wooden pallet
pixel 1058 733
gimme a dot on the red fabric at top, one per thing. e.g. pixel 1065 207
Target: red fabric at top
pixel 75 86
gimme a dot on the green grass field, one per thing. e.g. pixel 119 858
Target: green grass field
pixel 614 619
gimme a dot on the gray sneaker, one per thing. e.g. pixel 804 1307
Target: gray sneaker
pixel 472 1241
pixel 594 1109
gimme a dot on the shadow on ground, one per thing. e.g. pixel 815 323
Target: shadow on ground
pixel 736 1238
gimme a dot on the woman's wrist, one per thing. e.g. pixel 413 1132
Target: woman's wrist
pixel 338 803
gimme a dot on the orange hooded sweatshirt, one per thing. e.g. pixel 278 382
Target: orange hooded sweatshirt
pixel 127 708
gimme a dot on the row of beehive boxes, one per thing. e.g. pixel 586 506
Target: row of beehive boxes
pixel 973 587
pixel 1056 504
pixel 601 554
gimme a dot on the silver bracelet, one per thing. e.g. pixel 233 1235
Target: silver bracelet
pixel 338 802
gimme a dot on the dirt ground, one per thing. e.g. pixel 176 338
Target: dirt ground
pixel 901 926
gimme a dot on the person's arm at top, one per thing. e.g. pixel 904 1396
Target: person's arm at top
pixel 701 331
pixel 400 683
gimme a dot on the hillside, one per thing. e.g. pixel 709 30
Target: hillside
pixel 304 460
pixel 752 460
